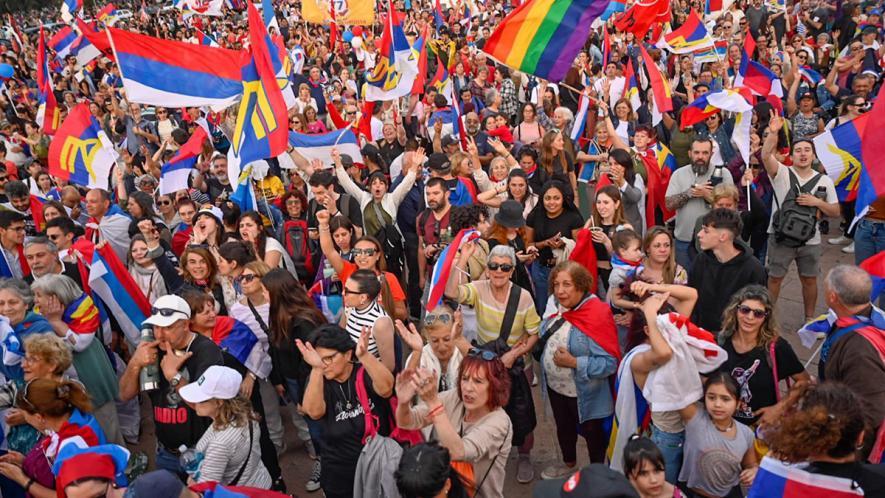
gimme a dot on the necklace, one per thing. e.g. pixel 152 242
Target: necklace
pixel 726 429
pixel 346 397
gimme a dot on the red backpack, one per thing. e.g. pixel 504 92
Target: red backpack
pixel 295 241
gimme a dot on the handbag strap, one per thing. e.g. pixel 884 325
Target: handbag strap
pixel 510 312
pixel 363 396
pixel 771 355
pixel 258 318
pixel 246 462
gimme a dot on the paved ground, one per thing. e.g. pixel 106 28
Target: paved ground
pixel 297 466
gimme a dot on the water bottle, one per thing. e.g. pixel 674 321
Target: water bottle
pixel 190 460
pixel 149 376
pixel 328 271
pixel 716 179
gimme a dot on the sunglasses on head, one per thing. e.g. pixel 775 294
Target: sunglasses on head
pixel 746 310
pixel 369 251
pixel 430 320
pixel 485 354
pixel 505 267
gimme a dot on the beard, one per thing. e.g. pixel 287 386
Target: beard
pixel 700 167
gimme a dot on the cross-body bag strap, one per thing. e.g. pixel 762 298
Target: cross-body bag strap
pixel 246 462
pixel 771 355
pixel 258 318
pixel 494 461
pixel 510 312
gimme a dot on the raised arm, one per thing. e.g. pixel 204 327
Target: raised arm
pixel 775 124
pixel 326 243
pixel 660 351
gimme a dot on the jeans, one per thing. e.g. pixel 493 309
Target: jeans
pixel 315 427
pixel 683 254
pixel 168 461
pixel 540 276
pixel 670 445
pixel 869 240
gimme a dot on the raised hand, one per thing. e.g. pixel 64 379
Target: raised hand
pixel 410 335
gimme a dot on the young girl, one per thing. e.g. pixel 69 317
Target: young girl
pixel 627 257
pixel 719 455
pixel 644 467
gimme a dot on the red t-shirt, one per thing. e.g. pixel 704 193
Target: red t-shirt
pixel 396 290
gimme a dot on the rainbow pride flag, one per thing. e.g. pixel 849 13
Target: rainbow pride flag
pixel 542 37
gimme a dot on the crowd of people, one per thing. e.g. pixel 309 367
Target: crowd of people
pixel 405 310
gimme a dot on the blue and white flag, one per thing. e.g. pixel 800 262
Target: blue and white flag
pixel 320 146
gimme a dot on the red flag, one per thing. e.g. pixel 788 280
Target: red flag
pixel 749 44
pixel 335 116
pixel 639 18
pixel 872 145
pixel 584 253
pixel 659 83
pixel 365 124
pixel 48 113
pixel 98 39
pixel 658 181
pixel 421 79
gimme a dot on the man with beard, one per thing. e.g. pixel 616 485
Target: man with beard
pixel 690 194
pixel 434 231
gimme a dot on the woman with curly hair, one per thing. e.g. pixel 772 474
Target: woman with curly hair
pixel 825 427
pixel 230 447
pixel 758 358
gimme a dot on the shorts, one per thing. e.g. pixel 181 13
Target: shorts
pixel 779 259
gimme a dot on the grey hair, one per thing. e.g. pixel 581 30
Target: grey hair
pixel 851 284
pixel 565 111
pixel 495 160
pixel 61 286
pixel 41 240
pixel 502 251
pixel 489 97
pixel 19 287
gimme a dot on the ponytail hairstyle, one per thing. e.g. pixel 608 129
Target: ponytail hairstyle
pixel 237 251
pixel 261 243
pixel 424 470
pixel 52 398
pixel 827 419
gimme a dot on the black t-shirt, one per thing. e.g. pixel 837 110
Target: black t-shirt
pixel 177 423
pixel 753 372
pixel 346 205
pixel 217 189
pixel 870 478
pixel 344 425
pixel 546 227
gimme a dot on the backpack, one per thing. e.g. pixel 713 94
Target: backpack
pixel 794 225
pixel 391 245
pixel 295 241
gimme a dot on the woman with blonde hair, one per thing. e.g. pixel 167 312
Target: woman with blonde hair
pixel 758 358
pixel 230 447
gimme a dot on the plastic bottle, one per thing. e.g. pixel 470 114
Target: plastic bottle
pixel 190 460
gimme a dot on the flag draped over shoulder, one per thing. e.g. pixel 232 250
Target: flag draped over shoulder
pixel 397 66
pixel 48 113
pixel 689 37
pixel 776 479
pixel 80 152
pixel 176 74
pixel 443 267
pixel 542 37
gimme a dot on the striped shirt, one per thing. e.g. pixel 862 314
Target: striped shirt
pixel 490 312
pixel 357 319
pixel 225 450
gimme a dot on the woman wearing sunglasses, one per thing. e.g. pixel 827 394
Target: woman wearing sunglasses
pixel 468 420
pixel 367 255
pixel 756 355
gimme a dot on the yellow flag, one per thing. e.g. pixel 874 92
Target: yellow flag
pixel 347 12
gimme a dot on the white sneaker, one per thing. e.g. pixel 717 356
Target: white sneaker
pixel 839 240
pixel 849 249
pixel 313 483
pixel 558 471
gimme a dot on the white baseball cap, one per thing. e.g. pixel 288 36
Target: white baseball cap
pixel 168 310
pixel 217 382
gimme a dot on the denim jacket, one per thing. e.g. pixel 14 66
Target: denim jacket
pixel 592 375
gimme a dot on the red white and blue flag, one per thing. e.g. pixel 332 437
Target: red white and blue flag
pixel 62 42
pixel 69 9
pixel 237 339
pixel 205 39
pixel 320 146
pixel 108 15
pixel 177 74
pixel 80 152
pixel 631 87
pixel 776 479
pixel 872 174
pixel 875 266
pixel 580 117
pixel 690 37
pixel 174 175
pixel 443 267
pixel 215 490
pixel 48 113
pixel 397 66
pixel 810 76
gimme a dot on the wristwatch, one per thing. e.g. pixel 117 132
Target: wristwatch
pixel 175 380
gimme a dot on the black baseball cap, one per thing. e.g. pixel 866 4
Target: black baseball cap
pixel 593 481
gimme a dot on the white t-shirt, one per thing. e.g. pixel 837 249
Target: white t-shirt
pixel 781 184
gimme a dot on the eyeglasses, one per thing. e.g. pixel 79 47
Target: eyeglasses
pixel 351 291
pixel 248 277
pixel 746 310
pixel 430 320
pixel 166 312
pixel 327 360
pixel 484 354
pixel 369 251
pixel 54 237
pixel 505 267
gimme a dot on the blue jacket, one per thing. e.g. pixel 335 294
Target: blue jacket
pixel 592 375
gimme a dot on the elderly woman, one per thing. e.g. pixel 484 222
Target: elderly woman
pixel 469 420
pixel 506 323
pixel 16 299
pixel 439 355
pixel 577 363
pixel 331 398
pixel 60 409
pixel 74 317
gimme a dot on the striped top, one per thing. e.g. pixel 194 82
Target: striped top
pixel 225 450
pixel 490 312
pixel 357 319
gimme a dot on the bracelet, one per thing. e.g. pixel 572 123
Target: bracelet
pixel 436 411
pixel 28 485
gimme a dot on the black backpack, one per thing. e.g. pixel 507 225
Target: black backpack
pixel 794 225
pixel 391 244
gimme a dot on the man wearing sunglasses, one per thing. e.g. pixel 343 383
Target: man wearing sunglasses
pixel 182 355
